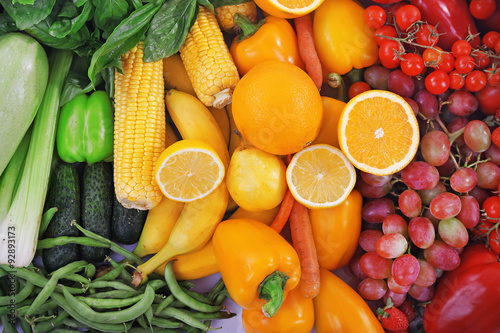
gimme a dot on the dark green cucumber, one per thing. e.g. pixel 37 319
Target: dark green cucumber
pixel 64 193
pixel 97 206
pixel 127 224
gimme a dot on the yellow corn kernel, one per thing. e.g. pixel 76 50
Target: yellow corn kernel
pixel 140 129
pixel 225 15
pixel 207 60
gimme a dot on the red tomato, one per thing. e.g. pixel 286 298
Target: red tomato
pixel 481 59
pixel 386 2
pixel 407 15
pixel 447 63
pixel 457 81
pixel 475 80
pixel 374 16
pixel 482 9
pixel 461 47
pixel 437 82
pixel 494 240
pixel 389 53
pixel 433 57
pixel 385 30
pixel 489 99
pixel 357 88
pixel 490 38
pixel 412 64
pixel 464 64
pixel 493 76
pixel 426 35
pixel 492 208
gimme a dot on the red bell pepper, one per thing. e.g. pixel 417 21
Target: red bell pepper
pixel 452 19
pixel 466 299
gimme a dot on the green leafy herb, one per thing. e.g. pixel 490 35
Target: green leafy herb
pixel 109 13
pixel 28 13
pixel 71 25
pixel 220 3
pixel 169 28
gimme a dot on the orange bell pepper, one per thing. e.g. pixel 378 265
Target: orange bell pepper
pixel 339 308
pixel 343 40
pixel 295 315
pixel 332 108
pixel 271 38
pixel 336 231
pixel 258 266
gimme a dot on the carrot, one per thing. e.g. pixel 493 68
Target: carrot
pixel 303 242
pixel 307 49
pixel 284 212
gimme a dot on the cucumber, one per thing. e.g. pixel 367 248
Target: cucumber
pixel 127 224
pixel 97 206
pixel 64 193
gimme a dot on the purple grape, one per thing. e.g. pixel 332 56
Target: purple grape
pixel 462 103
pixel 420 175
pixel 401 84
pixel 427 103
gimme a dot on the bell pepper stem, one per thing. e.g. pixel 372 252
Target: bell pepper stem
pixel 248 28
pixel 272 290
pixel 336 81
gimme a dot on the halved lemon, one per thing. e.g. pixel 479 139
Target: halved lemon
pixel 188 170
pixel 320 176
pixel 378 132
pixel 288 8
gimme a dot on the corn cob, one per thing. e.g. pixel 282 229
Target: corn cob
pixel 140 129
pixel 225 15
pixel 208 62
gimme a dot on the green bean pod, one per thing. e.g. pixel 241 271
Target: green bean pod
pixel 112 317
pixel 20 296
pixel 167 323
pixel 45 307
pixel 111 284
pixel 115 294
pixel 46 325
pixel 112 274
pixel 184 316
pixel 164 303
pixel 109 303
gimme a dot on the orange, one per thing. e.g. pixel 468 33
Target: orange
pixel 188 170
pixel 277 107
pixel 288 8
pixel 320 176
pixel 378 132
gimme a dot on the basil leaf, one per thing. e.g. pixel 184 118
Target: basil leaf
pixel 220 3
pixel 26 15
pixel 64 27
pixel 169 29
pixel 207 4
pixel 126 35
pixel 41 32
pixel 109 13
pixel 7 24
pixel 25 2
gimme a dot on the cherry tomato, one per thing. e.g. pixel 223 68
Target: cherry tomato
pixel 461 47
pixel 457 80
pixel 389 53
pixel 475 80
pixel 481 228
pixel 490 38
pixel 481 59
pixel 493 76
pixel 426 35
pixel 496 47
pixel 385 30
pixel 433 56
pixel 494 240
pixel 448 62
pixel 386 2
pixel 492 208
pixel 437 82
pixel 374 16
pixel 482 9
pixel 412 64
pixel 464 64
pixel 407 15
pixel 357 88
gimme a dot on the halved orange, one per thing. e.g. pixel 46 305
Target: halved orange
pixel 188 170
pixel 378 132
pixel 320 176
pixel 288 8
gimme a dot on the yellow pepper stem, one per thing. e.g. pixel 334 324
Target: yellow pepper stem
pixel 248 28
pixel 272 290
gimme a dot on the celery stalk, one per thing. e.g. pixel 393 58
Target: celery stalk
pixel 19 229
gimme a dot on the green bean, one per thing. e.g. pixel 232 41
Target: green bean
pixel 52 283
pixel 216 289
pixel 113 246
pixel 177 291
pixel 115 294
pixel 111 275
pixel 87 322
pixel 25 325
pixel 184 316
pixel 197 296
pixel 157 284
pixel 191 329
pixel 70 322
pixel 46 218
pixel 66 330
pixel 78 278
pixel 212 315
pixel 109 303
pixel 142 321
pixel 153 330
pixel 149 314
pixel 20 296
pixel 167 323
pixel 46 325
pixel 45 307
pixel 164 303
pixel 112 317
pixel 186 284
pixel 111 284
pixel 124 274
pixel 89 271
pixel 47 243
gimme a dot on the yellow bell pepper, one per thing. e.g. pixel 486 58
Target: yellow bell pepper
pixel 339 308
pixel 258 266
pixel 336 231
pixel 295 315
pixel 342 38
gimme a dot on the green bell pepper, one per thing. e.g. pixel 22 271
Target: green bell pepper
pixel 85 129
